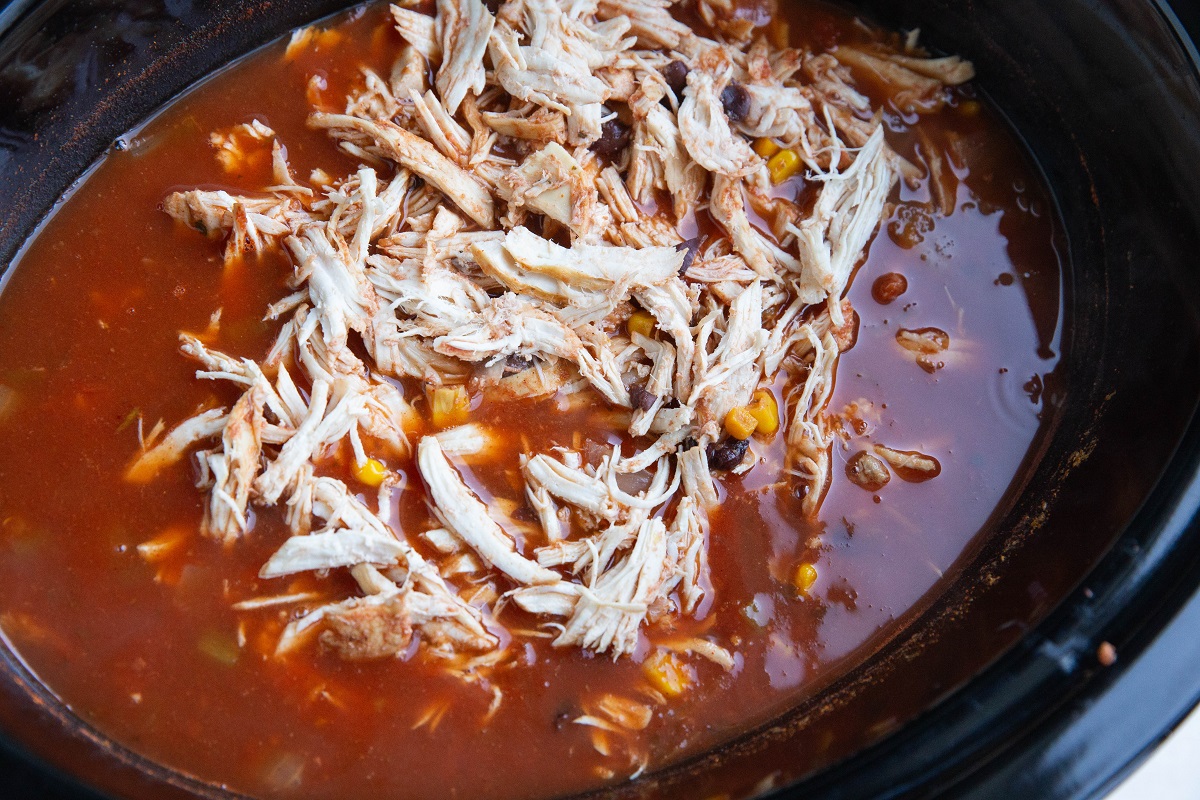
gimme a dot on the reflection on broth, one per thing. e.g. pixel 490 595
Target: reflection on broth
pixel 570 399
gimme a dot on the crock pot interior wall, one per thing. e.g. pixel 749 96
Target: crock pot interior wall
pixel 1106 99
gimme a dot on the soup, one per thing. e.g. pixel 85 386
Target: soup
pixel 570 399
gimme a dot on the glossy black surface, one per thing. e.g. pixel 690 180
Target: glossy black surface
pixel 1107 96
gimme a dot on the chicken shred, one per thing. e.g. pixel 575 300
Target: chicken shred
pixel 460 262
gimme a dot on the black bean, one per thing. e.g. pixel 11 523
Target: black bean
pixel 524 513
pixel 736 101
pixel 614 138
pixel 689 249
pixel 641 397
pixel 728 454
pixel 687 444
pixel 517 363
pixel 675 75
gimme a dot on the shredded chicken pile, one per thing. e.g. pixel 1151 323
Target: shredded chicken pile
pixel 497 235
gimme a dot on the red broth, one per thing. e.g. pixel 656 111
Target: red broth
pixel 149 653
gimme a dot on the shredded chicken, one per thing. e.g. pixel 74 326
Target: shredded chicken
pixel 467 517
pixel 705 127
pixel 498 237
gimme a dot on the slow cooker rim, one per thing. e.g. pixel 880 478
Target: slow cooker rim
pixel 1147 648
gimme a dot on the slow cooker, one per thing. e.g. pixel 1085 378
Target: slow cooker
pixel 1004 685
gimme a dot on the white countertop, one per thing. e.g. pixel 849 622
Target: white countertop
pixel 1172 772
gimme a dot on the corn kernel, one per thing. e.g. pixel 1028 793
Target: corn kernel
pixel 780 33
pixel 667 673
pixel 740 423
pixel 371 472
pixel 450 406
pixel 766 147
pixel 380 37
pixel 329 38
pixel 806 576
pixel 641 322
pixel 764 409
pixel 783 165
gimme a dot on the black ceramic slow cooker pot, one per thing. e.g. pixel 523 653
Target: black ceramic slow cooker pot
pixel 993 689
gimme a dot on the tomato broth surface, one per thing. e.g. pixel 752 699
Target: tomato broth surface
pixel 152 652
